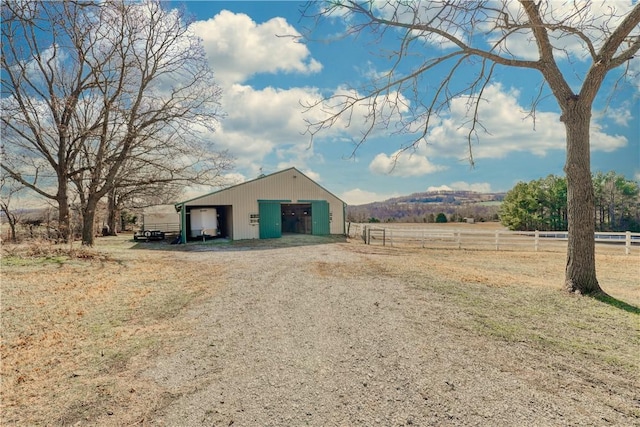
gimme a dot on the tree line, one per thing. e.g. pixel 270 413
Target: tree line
pixel 422 212
pixel 542 204
pixel 104 101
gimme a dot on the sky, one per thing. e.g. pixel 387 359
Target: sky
pixel 267 73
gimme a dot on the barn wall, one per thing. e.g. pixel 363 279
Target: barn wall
pixel 289 184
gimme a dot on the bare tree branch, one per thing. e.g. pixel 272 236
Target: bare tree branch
pixel 99 91
pixel 448 51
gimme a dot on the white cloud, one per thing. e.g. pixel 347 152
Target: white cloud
pixel 440 188
pixel 232 178
pixel 509 128
pixel 226 180
pixel 403 164
pixel 313 175
pixel 620 116
pixel 356 117
pixel 590 17
pixel 272 121
pixel 360 197
pixel 263 125
pixel 238 47
pixel 262 122
pixel 193 191
pixel 479 187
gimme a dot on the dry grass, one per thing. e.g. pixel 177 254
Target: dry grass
pixel 518 297
pixel 78 330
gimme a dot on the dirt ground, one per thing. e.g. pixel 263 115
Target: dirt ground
pixel 313 331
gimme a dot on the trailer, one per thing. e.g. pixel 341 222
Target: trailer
pixel 148 235
pixel 157 222
pixel 204 223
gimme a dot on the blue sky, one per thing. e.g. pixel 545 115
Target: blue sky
pixel 265 77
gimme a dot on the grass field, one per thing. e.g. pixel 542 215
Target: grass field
pixel 78 330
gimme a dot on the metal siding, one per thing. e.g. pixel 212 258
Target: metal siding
pixel 279 186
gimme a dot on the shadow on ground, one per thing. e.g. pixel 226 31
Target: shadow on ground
pixel 614 302
pixel 286 241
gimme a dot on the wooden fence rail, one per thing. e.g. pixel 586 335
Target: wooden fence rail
pixel 484 239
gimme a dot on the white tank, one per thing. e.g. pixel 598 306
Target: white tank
pixel 204 221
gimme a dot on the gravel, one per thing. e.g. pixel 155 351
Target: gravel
pixel 318 335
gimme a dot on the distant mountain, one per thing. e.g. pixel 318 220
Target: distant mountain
pixel 448 197
pixel 423 207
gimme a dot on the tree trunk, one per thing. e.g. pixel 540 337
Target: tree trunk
pixel 580 274
pixel 12 228
pixel 64 217
pixel 88 219
pixel 112 213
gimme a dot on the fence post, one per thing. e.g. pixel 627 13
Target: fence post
pixel 390 237
pixel 368 233
pixel 384 237
pixel 537 240
pixel 423 234
pixel 627 243
pixel 458 238
pixel 497 240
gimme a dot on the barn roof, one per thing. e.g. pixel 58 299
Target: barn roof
pixel 257 179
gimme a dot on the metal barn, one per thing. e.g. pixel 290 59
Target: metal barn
pixel 267 207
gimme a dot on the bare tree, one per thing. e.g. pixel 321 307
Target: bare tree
pixel 475 39
pixel 148 181
pixel 38 100
pixel 9 188
pixel 92 91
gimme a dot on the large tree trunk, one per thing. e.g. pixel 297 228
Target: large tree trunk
pixel 112 213
pixel 88 220
pixel 580 274
pixel 64 217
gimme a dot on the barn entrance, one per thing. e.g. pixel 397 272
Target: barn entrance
pixel 296 218
pixel 207 222
pixel 304 217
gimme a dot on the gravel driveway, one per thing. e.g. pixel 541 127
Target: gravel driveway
pixel 316 335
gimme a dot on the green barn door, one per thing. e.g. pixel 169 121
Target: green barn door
pixel 270 219
pixel 320 217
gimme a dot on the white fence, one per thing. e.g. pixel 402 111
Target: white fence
pixel 484 239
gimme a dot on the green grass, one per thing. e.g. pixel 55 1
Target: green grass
pixel 549 320
pixel 614 302
pixel 19 261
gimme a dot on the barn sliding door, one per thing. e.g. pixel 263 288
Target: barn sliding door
pixel 320 217
pixel 270 219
